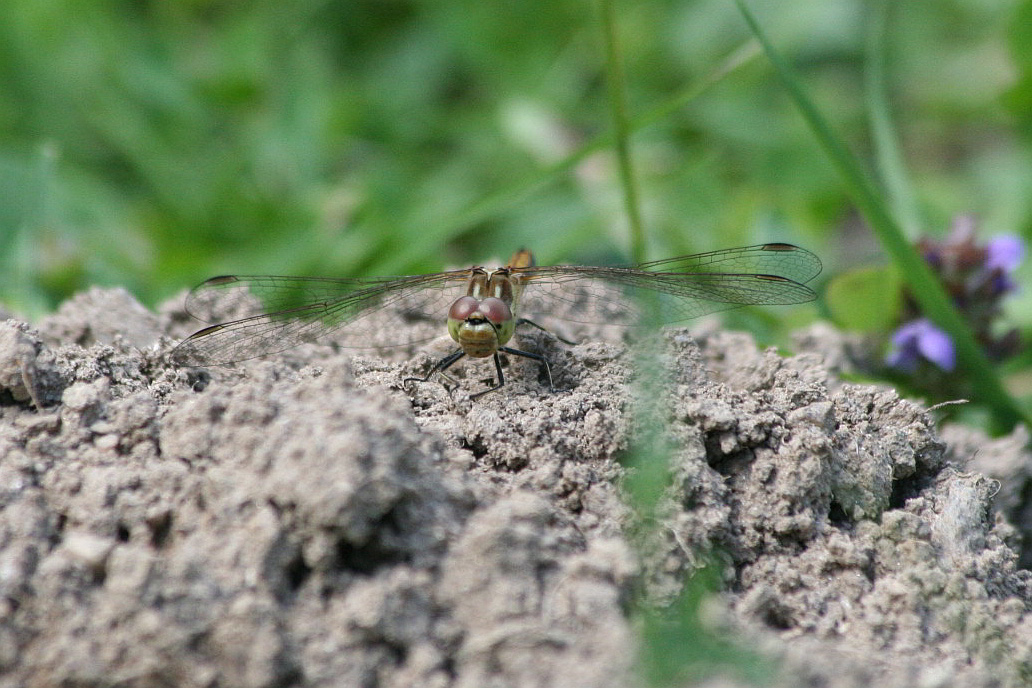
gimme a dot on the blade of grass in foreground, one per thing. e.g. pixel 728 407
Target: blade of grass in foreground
pixel 677 646
pixel 926 288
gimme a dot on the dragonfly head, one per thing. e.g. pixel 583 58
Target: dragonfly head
pixel 480 326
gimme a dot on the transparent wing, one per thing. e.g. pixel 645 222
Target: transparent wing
pixel 260 315
pixel 267 314
pixel 782 260
pixel 686 287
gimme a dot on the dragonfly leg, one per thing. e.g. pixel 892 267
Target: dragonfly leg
pixel 528 354
pixel 501 378
pixel 526 321
pixel 439 367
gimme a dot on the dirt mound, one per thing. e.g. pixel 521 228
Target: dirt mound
pixel 313 520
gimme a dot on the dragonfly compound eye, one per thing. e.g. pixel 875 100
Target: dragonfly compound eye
pixel 495 311
pixel 463 308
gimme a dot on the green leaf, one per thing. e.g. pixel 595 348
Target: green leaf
pixel 865 299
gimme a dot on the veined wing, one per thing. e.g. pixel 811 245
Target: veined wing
pixel 269 314
pixel 687 286
pixel 777 259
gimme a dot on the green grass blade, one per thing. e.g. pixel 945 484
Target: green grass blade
pixel 622 129
pixel 891 169
pixel 676 647
pixel 925 285
pixel 743 55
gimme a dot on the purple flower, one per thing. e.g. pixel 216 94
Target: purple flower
pixel 1004 252
pixel 919 339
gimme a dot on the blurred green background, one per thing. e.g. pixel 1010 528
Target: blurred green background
pixel 153 144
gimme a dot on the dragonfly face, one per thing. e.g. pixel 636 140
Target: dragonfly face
pixel 273 314
pixel 482 320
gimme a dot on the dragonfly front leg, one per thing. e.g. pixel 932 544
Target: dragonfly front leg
pixel 527 354
pixel 501 378
pixel 450 360
pixel 439 367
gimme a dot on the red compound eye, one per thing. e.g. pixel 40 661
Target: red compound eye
pixel 463 307
pixel 495 310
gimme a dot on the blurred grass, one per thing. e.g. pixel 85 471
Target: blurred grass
pixel 153 144
pixel 621 120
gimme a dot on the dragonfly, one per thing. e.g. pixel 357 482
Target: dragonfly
pixel 271 314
